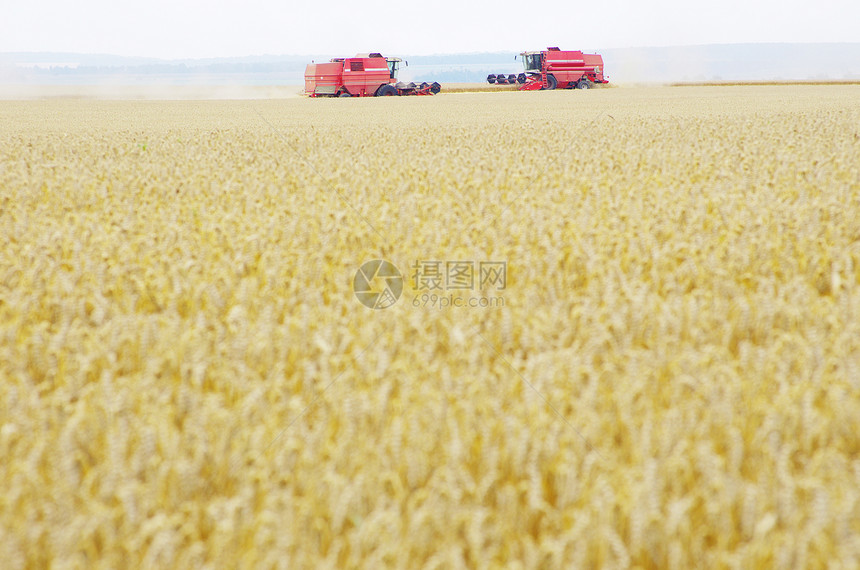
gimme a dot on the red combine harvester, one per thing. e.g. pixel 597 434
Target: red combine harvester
pixel 554 68
pixel 365 75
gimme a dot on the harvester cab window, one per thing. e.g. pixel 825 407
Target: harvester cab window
pixel 356 65
pixel 531 61
pixel 392 68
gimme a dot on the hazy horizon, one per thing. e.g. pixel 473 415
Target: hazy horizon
pixel 745 62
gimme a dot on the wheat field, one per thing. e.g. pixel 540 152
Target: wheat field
pixel 672 379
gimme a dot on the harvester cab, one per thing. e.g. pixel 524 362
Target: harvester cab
pixel 393 66
pixel 531 61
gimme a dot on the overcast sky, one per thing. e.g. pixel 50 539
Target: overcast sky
pixel 215 28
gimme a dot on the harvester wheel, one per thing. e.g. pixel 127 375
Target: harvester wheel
pixel 386 90
pixel 551 82
pixel 491 78
pixel 583 84
pixel 345 94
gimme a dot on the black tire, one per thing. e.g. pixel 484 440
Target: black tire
pixel 345 94
pixel 583 84
pixel 435 88
pixel 491 78
pixel 386 90
pixel 551 82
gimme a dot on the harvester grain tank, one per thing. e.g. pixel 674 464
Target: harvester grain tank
pixel 555 68
pixel 364 75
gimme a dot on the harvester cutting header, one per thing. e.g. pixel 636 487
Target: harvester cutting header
pixel 365 75
pixel 554 68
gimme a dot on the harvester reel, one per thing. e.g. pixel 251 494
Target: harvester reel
pixel 521 78
pixel 435 87
pixel 491 78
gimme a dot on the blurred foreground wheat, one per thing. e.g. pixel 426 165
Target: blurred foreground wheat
pixel 673 382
